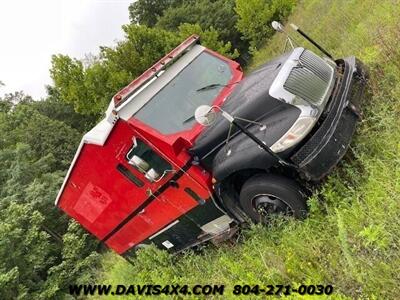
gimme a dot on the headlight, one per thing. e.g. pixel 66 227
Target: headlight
pixel 296 133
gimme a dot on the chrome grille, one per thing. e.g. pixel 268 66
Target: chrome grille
pixel 310 79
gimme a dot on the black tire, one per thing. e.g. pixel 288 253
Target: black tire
pixel 264 195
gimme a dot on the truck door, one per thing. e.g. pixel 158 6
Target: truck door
pixel 171 192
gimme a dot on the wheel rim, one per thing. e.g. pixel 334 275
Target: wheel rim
pixel 267 205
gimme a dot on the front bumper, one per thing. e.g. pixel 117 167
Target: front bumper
pixel 327 145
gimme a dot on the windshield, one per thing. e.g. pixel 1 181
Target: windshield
pixel 172 109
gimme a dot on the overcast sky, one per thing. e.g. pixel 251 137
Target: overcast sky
pixel 32 30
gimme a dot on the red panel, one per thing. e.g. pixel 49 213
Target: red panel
pixel 169 206
pixel 166 208
pixel 179 199
pixel 97 195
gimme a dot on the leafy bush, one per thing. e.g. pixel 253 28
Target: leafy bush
pixel 35 151
pixel 255 17
pixel 146 12
pixel 216 14
pixel 209 38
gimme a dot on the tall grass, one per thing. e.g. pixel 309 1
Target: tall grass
pixel 351 238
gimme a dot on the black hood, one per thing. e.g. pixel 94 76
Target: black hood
pixel 249 100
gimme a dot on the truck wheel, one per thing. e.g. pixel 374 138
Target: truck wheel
pixel 264 195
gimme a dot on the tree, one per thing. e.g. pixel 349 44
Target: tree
pixel 43 135
pixel 209 37
pixel 217 14
pixel 146 12
pixel 77 265
pixel 5 105
pixel 17 97
pixel 140 49
pixel 56 109
pixel 25 252
pixel 34 267
pixel 68 75
pixel 35 151
pixel 255 17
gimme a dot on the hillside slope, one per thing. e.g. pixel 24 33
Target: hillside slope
pixel 351 238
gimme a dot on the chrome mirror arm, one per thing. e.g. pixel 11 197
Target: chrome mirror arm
pixel 280 28
pixel 164 174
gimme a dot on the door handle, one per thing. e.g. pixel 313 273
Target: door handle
pixel 174 184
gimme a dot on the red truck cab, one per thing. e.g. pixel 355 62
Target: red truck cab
pixel 120 203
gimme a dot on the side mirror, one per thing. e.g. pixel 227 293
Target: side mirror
pixel 280 28
pixel 152 175
pixel 277 26
pixel 139 163
pixel 205 115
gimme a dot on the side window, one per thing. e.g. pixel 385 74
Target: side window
pixel 147 161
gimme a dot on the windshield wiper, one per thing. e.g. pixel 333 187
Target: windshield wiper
pixel 188 119
pixel 209 87
pixel 214 85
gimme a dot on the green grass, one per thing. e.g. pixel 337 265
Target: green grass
pixel 351 238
